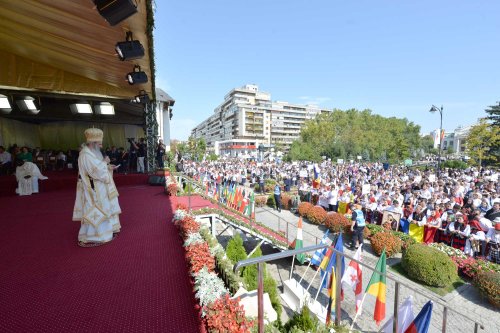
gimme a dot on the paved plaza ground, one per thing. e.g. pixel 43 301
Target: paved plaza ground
pixel 465 299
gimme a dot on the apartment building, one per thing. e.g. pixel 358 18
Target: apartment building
pixel 248 118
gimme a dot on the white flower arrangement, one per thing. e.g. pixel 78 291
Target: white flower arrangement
pixel 179 214
pixel 193 238
pixel 209 287
pixel 450 251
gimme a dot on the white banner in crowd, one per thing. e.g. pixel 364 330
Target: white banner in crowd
pixel 366 189
pixel 303 173
pixel 340 161
pixel 432 178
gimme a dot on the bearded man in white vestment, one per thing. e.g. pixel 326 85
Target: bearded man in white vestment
pixel 96 204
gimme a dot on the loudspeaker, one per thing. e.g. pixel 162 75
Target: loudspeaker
pixel 156 180
pixel 115 11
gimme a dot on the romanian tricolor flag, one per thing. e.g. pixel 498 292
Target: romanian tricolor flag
pixel 422 321
pixel 317 177
pixel 376 287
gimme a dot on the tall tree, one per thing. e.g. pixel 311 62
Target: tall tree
pixel 351 133
pixel 480 141
pixel 494 114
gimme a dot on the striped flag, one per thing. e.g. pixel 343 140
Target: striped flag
pixel 298 242
pixel 339 246
pixel 332 290
pixel 317 177
pixel 377 287
pixel 353 278
pixel 422 321
pixel 319 254
pixel 405 317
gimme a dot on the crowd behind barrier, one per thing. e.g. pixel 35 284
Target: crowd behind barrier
pixel 130 159
pixel 461 208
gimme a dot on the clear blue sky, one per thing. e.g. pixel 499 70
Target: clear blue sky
pixel 396 58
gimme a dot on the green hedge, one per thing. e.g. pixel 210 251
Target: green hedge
pixel 454 164
pixel 428 265
pixel 250 274
pixel 271 202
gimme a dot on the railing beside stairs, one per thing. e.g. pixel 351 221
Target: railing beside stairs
pixel 398 283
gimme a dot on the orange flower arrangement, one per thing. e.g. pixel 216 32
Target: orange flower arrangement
pixel 187 225
pixel 304 207
pixel 387 240
pixel 286 201
pixel 337 222
pixel 261 201
pixel 316 215
pixel 198 255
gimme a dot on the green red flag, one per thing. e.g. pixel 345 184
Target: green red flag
pixel 377 288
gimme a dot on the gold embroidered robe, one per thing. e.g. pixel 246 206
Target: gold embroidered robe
pixel 96 204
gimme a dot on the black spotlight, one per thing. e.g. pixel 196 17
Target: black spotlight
pixel 142 97
pixel 115 11
pixel 129 49
pixel 137 76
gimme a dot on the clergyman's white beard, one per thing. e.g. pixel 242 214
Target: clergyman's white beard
pixel 95 150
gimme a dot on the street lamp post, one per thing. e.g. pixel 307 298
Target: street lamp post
pixel 435 109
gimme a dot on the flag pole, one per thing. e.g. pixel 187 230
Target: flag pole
pixel 310 283
pixel 302 278
pixel 293 262
pixel 358 312
pixel 320 286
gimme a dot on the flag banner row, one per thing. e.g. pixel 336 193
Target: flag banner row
pixel 234 196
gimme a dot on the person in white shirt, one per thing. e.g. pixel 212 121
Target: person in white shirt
pixel 323 198
pixel 333 199
pixel 395 207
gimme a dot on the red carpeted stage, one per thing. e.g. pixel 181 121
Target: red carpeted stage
pixel 137 283
pixel 65 180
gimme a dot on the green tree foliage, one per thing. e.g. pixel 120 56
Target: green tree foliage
pixel 250 273
pixel 494 114
pixel 213 157
pixel 351 133
pixel 196 148
pixel 427 144
pixel 483 138
pixel 235 249
pixel 494 117
pixel 303 321
pixel 182 148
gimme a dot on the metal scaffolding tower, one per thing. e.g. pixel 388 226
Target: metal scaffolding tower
pixel 151 134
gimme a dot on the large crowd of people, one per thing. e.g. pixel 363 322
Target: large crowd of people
pixel 460 207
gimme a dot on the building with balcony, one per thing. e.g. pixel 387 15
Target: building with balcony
pixel 454 141
pixel 247 118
